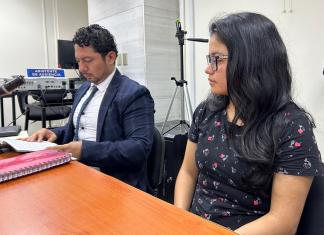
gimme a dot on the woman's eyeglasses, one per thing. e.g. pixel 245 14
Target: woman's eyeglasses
pixel 213 60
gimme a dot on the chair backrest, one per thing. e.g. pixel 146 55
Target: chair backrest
pixel 155 163
pixel 312 219
pixel 22 100
pixel 49 107
pixel 49 96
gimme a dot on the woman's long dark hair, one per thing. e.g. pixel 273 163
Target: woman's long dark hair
pixel 259 86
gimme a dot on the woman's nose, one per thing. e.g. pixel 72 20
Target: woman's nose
pixel 209 69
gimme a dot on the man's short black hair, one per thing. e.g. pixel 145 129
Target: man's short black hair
pixel 96 36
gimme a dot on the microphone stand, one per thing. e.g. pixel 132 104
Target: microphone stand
pixel 197 39
pixel 182 83
pixel 7 90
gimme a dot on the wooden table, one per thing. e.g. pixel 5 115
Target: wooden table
pixel 76 199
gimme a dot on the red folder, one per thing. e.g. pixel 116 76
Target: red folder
pixel 30 163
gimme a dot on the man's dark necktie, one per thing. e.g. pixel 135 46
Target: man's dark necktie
pixel 84 105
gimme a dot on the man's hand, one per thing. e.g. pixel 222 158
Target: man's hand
pixel 73 147
pixel 42 134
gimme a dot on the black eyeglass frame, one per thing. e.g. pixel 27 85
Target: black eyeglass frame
pixel 213 60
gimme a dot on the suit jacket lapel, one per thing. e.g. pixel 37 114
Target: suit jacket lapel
pixel 79 97
pixel 106 101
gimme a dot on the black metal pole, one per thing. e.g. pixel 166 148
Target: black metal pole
pixel 179 83
pixel 180 35
pixel 181 63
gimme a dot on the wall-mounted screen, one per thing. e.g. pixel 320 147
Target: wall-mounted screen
pixel 65 52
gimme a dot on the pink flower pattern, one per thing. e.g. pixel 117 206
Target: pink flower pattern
pixel 220 191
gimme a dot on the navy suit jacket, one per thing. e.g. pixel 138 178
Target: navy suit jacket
pixel 124 131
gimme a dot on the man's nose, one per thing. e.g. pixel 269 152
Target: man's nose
pixel 82 67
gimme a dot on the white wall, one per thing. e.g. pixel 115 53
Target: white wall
pixel 22 39
pixel 300 25
pixel 124 19
pixel 29 32
pixel 162 55
pixel 145 31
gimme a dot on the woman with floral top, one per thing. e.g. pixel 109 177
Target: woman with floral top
pixel 251 154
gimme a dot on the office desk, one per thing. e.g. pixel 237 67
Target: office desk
pixel 76 199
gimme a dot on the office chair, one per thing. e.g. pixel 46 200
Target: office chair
pixel 155 164
pixel 48 106
pixel 312 219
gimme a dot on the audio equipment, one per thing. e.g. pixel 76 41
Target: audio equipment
pixel 45 84
pixel 11 85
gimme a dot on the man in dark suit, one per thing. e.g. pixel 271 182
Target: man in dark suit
pixel 112 127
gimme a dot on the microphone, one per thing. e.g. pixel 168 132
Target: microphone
pixel 8 87
pixel 197 39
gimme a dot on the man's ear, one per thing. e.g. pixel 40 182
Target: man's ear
pixel 111 57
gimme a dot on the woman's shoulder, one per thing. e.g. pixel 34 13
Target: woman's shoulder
pixel 297 151
pixel 213 104
pixel 204 109
pixel 292 114
pixel 293 120
pixel 201 107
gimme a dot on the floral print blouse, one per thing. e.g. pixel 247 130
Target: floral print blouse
pixel 220 195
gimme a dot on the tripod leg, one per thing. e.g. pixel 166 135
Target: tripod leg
pixel 182 103
pixel 182 108
pixel 180 123
pixel 170 106
pixel 189 103
pixel 189 118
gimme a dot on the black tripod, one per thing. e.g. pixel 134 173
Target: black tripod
pixel 182 83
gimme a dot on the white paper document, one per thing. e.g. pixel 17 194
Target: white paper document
pixel 25 146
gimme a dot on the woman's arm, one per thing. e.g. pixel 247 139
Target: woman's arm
pixel 288 197
pixel 187 178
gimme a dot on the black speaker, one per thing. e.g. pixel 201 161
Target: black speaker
pixel 175 146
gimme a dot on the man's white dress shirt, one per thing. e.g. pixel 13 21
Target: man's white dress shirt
pixel 89 118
